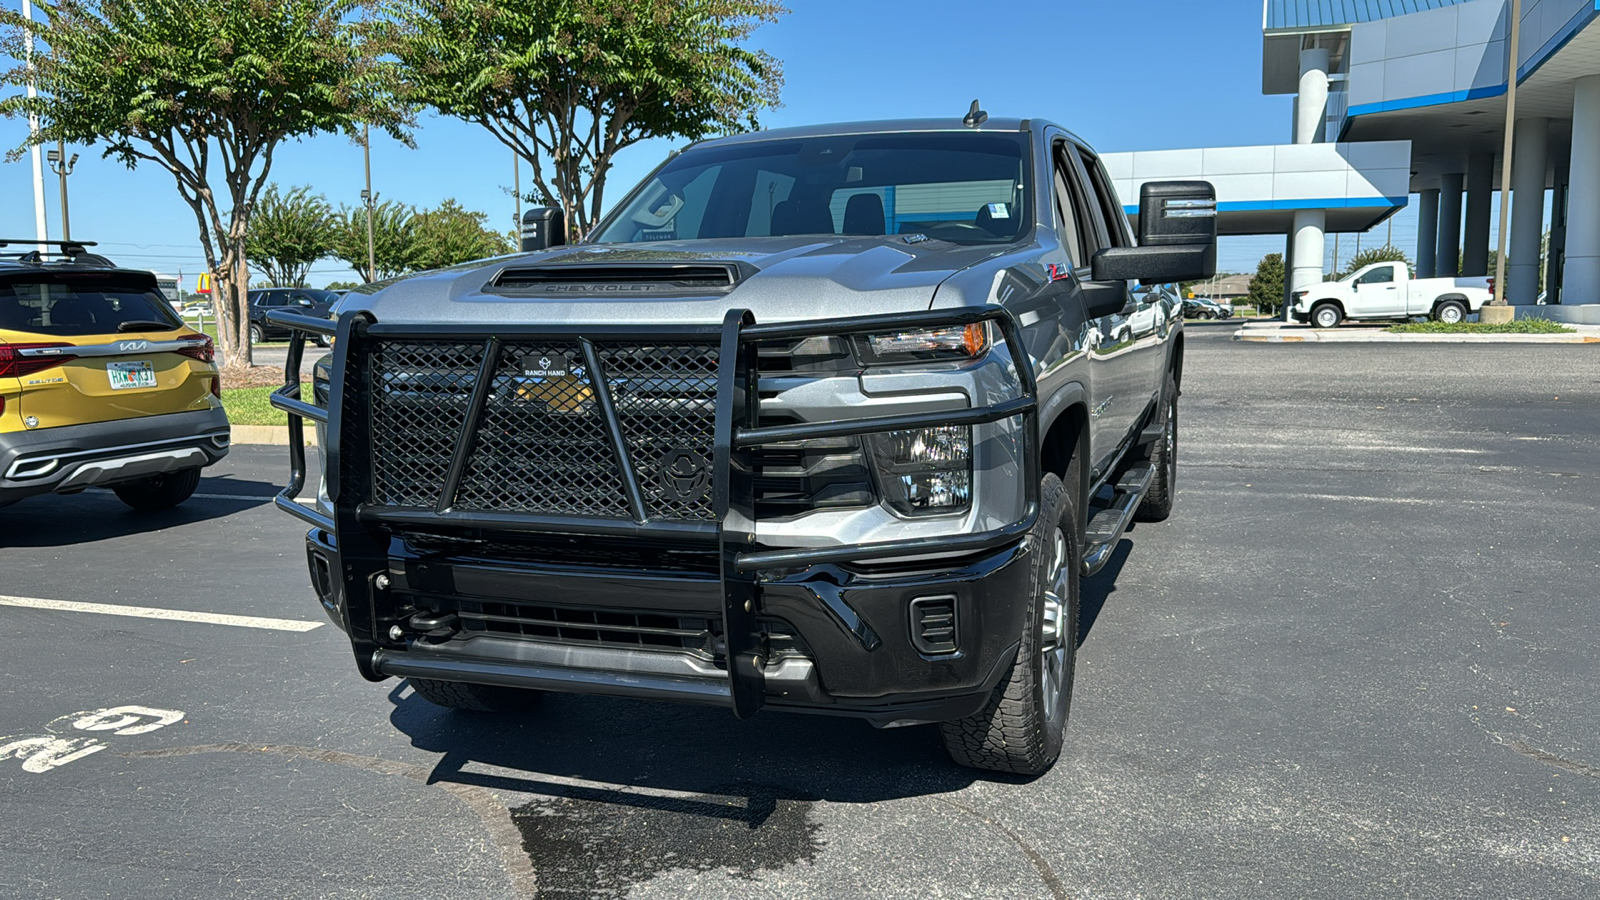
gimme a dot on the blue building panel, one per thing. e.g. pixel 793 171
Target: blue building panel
pixel 1299 14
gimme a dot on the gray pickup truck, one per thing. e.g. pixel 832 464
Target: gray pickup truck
pixel 829 420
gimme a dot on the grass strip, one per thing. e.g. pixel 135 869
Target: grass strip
pixel 1517 326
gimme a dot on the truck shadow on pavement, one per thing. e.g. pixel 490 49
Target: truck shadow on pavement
pixel 609 793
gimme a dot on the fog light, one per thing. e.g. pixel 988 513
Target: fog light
pixel 925 471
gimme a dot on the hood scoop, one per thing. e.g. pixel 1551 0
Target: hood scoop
pixel 617 278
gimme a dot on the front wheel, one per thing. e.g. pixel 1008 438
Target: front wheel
pixel 1020 729
pixel 1450 312
pixel 257 335
pixel 158 492
pixel 1326 315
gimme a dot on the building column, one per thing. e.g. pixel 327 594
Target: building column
pixel 1480 191
pixel 1531 145
pixel 1427 232
pixel 1306 238
pixel 1580 281
pixel 1309 225
pixel 1311 106
pixel 1447 255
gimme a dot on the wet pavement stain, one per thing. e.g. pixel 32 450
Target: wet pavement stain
pixel 599 844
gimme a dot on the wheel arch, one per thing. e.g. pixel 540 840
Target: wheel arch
pixel 1064 450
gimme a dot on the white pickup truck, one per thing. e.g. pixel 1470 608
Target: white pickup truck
pixel 1386 290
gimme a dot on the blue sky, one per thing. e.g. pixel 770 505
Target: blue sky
pixel 1129 75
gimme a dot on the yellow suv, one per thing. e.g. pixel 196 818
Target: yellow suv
pixel 101 383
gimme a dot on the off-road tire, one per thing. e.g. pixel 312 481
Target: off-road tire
pixel 1326 321
pixel 1157 502
pixel 486 698
pixel 1011 733
pixel 1459 308
pixel 157 492
pixel 257 336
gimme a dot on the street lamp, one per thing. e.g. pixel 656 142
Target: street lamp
pixel 368 199
pixel 62 166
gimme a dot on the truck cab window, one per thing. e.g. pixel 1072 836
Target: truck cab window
pixel 1380 275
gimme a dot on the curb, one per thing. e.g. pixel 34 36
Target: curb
pixel 269 435
pixel 1262 336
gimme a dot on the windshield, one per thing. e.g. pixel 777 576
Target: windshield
pixel 80 303
pixel 966 188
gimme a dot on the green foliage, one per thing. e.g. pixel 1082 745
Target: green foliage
pixel 1515 326
pixel 1387 253
pixel 568 83
pixel 288 232
pixel 1266 289
pixel 342 285
pixel 393 239
pixel 451 235
pixel 206 89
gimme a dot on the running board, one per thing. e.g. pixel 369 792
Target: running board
pixel 1107 525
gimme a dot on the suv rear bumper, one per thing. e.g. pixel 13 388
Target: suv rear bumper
pixel 856 644
pixel 69 458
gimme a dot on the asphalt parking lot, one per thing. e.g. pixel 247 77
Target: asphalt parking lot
pixel 1361 660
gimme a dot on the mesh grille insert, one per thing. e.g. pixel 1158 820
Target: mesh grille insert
pixel 542 445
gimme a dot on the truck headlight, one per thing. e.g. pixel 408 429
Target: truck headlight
pixel 926 344
pixel 926 470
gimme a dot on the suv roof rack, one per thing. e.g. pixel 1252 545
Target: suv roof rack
pixel 75 252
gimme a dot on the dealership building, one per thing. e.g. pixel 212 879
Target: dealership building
pixel 1403 98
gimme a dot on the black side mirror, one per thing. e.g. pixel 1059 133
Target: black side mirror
pixel 1177 236
pixel 542 228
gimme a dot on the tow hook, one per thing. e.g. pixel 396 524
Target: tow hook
pixel 435 625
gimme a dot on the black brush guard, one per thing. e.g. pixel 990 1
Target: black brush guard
pixel 363 557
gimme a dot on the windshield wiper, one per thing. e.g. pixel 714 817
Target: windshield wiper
pixel 145 325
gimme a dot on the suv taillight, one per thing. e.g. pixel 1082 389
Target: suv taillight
pixel 200 347
pixel 14 365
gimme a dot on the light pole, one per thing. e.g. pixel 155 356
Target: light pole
pixel 516 188
pixel 33 130
pixel 367 200
pixel 62 166
pixel 1500 312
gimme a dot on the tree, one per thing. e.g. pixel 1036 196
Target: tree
pixel 450 235
pixel 1266 289
pixel 207 90
pixel 288 232
pixel 567 84
pixel 1386 253
pixel 393 239
pixel 341 285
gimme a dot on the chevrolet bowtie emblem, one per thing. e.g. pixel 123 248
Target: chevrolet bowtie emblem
pixel 563 394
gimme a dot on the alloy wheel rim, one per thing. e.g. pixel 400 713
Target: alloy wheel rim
pixel 1325 319
pixel 1451 315
pixel 1053 639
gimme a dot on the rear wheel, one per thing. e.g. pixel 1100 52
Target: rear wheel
pixel 1019 730
pixel 473 697
pixel 158 492
pixel 1157 502
pixel 1326 315
pixel 257 335
pixel 1450 312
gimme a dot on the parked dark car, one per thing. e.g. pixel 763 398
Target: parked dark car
pixel 307 301
pixel 1200 308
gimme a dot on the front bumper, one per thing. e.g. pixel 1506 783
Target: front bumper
pixel 849 642
pixel 69 458
pixel 824 629
pixel 1300 315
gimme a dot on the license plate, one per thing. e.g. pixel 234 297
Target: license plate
pixel 125 375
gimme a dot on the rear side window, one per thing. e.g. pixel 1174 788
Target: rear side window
pixel 71 304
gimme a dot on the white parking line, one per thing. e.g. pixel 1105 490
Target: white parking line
pixel 171 615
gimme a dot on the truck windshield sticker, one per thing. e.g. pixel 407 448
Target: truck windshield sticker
pixel 999 211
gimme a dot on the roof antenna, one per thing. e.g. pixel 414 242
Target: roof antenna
pixel 975 116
